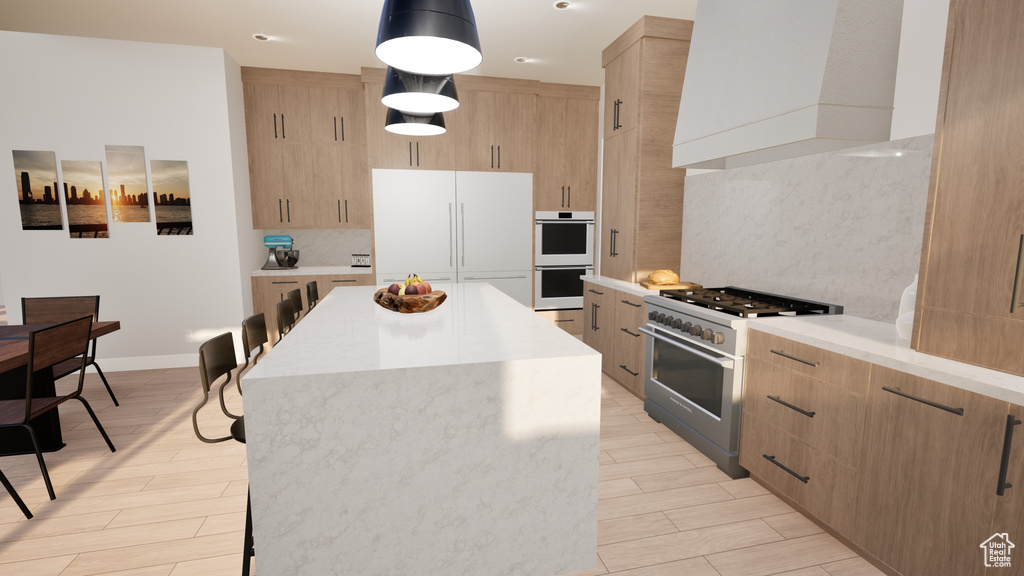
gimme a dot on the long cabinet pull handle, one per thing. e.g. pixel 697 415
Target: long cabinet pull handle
pixel 339 210
pixel 280 210
pixel 417 153
pixel 569 203
pixel 563 196
pixel 346 211
pixel 1004 463
pixel 410 153
pixel 772 459
pixel 596 308
pixel 275 126
pixel 565 320
pixel 451 233
pixel 790 406
pixel 335 128
pixel 492 155
pixel 631 304
pixel 499 156
pixel 623 366
pixel 630 333
pixel 1018 279
pixel 283 135
pixel 595 292
pixel 342 128
pixel 285 282
pixel 341 281
pixel 800 360
pixel 288 208
pixel 462 207
pixel 593 316
pixel 898 392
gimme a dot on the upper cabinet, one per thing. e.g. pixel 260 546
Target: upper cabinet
pixel 497 131
pixel 565 164
pixel 388 150
pixel 642 195
pixel 970 303
pixel 307 156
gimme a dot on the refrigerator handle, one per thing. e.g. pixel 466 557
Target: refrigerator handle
pixel 451 232
pixel 462 207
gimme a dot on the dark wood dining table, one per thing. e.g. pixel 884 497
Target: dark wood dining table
pixel 13 363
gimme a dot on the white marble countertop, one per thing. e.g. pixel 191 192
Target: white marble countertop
pixel 314 271
pixel 349 332
pixel 630 287
pixel 878 343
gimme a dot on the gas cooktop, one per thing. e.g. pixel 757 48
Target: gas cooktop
pixel 750 304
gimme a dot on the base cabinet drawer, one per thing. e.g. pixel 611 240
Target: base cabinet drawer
pixel 569 320
pixel 849 373
pixel 821 485
pixel 824 416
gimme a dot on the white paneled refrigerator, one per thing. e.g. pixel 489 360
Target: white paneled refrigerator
pixel 455 227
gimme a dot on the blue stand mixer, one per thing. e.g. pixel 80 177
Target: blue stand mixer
pixel 281 257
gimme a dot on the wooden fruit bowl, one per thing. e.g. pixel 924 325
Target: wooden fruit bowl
pixel 409 304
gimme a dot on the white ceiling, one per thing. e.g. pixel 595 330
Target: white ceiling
pixel 339 35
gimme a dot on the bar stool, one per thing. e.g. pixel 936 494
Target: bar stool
pixel 254 336
pixel 14 494
pixel 216 359
pixel 285 318
pixel 296 298
pixel 312 295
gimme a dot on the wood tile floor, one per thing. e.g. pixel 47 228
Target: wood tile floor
pixel 166 504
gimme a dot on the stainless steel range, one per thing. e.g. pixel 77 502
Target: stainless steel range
pixel 696 341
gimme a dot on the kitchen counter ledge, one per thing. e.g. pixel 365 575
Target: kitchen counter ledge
pixel 878 343
pixel 314 271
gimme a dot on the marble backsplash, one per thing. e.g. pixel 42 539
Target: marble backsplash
pixel 327 247
pixel 841 227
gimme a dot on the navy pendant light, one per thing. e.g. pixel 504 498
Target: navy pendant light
pixel 414 124
pixel 418 93
pixel 431 37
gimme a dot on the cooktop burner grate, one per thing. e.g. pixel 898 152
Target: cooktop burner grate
pixel 750 304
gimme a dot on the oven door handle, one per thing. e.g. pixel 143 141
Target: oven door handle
pixel 728 364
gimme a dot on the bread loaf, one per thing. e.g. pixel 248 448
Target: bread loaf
pixel 662 277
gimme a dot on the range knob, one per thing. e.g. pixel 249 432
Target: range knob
pixel 652 315
pixel 686 326
pixel 718 338
pixel 668 320
pixel 706 334
pixel 677 323
pixel 696 330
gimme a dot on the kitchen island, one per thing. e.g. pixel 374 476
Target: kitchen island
pixel 463 440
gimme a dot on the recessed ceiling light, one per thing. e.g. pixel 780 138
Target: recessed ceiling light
pixel 261 37
pixel 520 59
pixel 561 5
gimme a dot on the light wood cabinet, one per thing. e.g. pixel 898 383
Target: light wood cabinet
pixel 267 291
pixel 497 131
pixel 565 175
pixel 628 353
pixel 642 195
pixel 598 329
pixel 927 492
pixel 970 303
pixel 307 155
pixel 387 150
pixel 572 321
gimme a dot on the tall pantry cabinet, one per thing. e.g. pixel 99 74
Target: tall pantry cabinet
pixel 642 195
pixel 970 299
pixel 306 135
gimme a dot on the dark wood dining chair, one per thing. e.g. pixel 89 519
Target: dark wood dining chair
pixel 312 295
pixel 285 318
pixel 254 337
pixel 217 359
pixel 295 296
pixel 61 309
pixel 14 494
pixel 50 347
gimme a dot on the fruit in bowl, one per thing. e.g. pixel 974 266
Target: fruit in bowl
pixel 413 295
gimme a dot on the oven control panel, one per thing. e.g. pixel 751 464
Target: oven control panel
pixel 692 328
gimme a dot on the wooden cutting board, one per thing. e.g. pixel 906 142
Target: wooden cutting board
pixel 679 286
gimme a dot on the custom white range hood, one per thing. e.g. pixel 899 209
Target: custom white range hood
pixel 786 78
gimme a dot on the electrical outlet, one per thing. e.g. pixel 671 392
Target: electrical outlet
pixel 360 259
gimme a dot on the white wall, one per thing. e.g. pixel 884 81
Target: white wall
pixel 74 96
pixel 919 72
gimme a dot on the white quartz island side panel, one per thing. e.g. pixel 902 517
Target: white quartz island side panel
pixel 458 441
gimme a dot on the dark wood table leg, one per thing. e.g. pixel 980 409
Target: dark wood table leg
pixel 15 440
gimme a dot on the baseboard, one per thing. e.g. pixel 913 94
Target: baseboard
pixel 148 362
